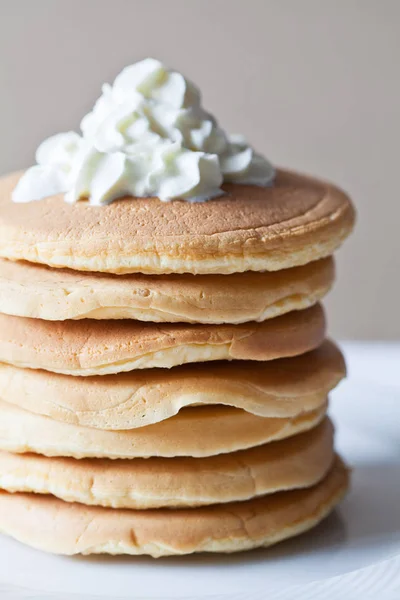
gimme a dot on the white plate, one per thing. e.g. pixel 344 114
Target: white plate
pixel 364 533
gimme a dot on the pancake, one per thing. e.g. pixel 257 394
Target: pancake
pixel 297 462
pixel 91 347
pixel 295 221
pixel 282 388
pixel 200 431
pixel 53 525
pixel 37 291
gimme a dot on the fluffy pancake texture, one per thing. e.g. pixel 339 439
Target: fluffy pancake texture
pixel 37 291
pixel 297 220
pixel 34 519
pixel 282 388
pixel 300 461
pixel 200 431
pixel 92 347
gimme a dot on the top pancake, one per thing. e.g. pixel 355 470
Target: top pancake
pixel 297 220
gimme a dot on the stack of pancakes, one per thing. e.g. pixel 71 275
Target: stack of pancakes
pixel 164 369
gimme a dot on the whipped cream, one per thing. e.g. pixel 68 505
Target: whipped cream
pixel 147 135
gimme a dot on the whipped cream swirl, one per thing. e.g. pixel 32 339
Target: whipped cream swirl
pixel 147 135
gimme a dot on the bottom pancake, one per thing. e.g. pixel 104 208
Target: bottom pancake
pixel 50 524
pixel 297 462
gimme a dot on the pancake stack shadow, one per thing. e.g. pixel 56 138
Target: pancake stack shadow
pixel 166 413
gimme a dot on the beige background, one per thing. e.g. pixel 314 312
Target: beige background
pixel 312 83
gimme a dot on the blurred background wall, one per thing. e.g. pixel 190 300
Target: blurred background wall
pixel 314 84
